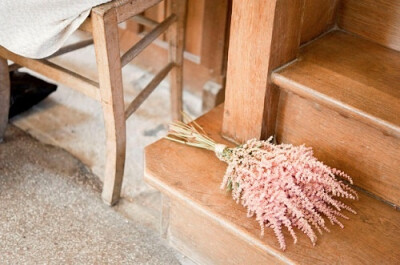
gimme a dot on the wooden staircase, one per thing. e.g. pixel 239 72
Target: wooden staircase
pixel 340 95
pixel 205 224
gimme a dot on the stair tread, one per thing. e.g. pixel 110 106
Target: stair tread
pixel 193 176
pixel 354 76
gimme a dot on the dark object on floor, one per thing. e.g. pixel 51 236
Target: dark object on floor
pixel 27 91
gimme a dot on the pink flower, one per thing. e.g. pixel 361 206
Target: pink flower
pixel 282 185
pixel 286 186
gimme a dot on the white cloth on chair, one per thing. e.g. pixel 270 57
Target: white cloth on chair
pixel 38 28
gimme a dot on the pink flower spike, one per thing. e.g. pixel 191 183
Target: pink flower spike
pixel 286 186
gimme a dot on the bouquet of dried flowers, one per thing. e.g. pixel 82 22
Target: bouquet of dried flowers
pixel 281 184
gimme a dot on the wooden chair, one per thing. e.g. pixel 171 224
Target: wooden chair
pixel 103 24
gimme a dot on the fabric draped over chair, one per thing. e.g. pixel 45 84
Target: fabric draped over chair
pixel 38 28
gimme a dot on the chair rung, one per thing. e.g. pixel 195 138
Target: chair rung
pixel 145 21
pixel 55 72
pixel 13 67
pixel 145 93
pixel 146 40
pixel 63 50
pixel 71 47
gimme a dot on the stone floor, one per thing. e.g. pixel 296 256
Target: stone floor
pixel 51 212
pixel 72 122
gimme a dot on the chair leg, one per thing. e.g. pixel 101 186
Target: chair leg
pixel 4 96
pixel 176 36
pixel 105 35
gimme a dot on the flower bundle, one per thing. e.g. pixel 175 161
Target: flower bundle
pixel 281 184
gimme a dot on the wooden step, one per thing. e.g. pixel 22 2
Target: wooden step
pixel 205 223
pixel 342 97
pixel 355 77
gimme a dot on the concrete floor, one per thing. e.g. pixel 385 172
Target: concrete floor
pixel 90 232
pixel 51 212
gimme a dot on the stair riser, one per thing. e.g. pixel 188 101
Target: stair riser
pixel 369 156
pixel 206 241
pixel 364 18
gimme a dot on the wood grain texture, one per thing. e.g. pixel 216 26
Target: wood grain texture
pixel 145 21
pixel 105 35
pixel 156 13
pixel 213 95
pixel 263 36
pixel 376 20
pixel 146 40
pixel 214 40
pixel 201 28
pixel 4 96
pixel 125 9
pixel 57 73
pixel 205 240
pixel 145 93
pixel 355 77
pixel 71 47
pixel 211 220
pixel 155 57
pixel 370 157
pixel 195 15
pixel 86 26
pixel 176 41
pixel 195 19
pixel 318 17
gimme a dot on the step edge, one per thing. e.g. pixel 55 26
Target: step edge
pixel 289 85
pixel 231 227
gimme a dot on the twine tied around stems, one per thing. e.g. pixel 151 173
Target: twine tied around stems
pixel 219 151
